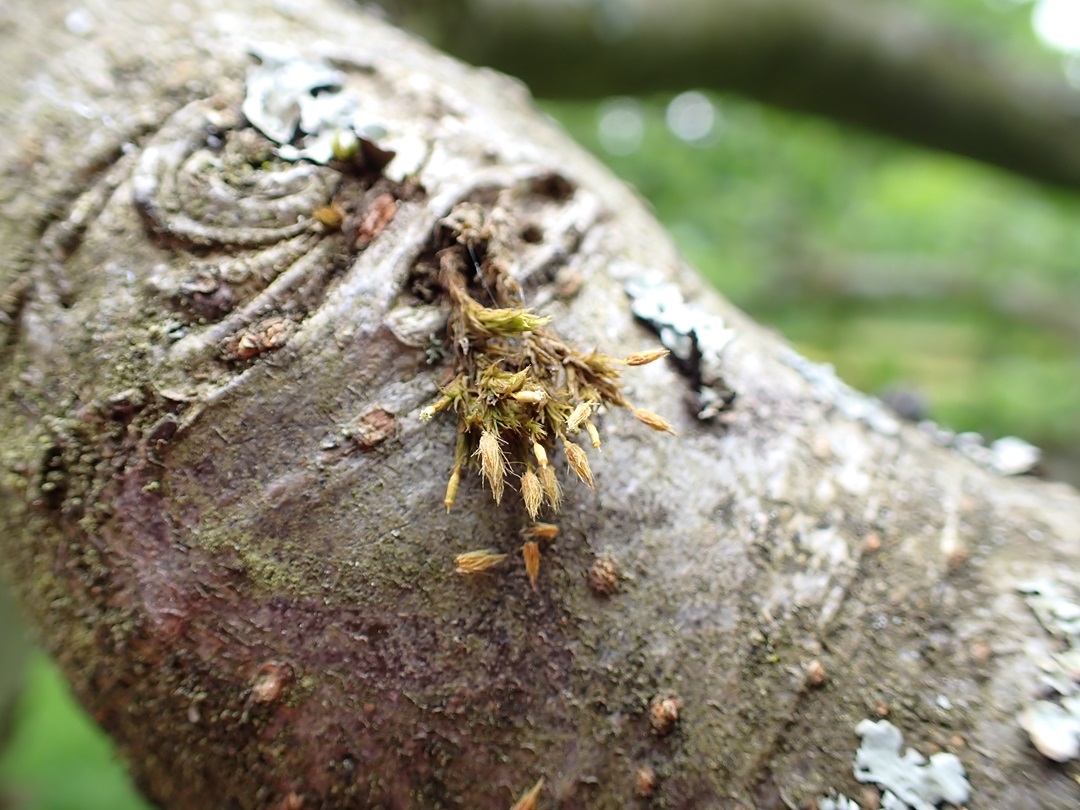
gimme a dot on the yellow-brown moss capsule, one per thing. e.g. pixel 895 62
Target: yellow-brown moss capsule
pixel 476 562
pixel 345 145
pixel 531 552
pixel 452 487
pixel 579 462
pixel 438 405
pixel 531 396
pixel 542 531
pixel 643 358
pixel 653 420
pixel 582 412
pixel 594 434
pixel 331 215
pixel 529 798
pixel 532 492
pixel 492 463
pixel 499 382
pixel 552 488
pixel 508 320
pixel 541 455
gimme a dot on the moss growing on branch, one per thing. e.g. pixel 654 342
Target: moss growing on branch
pixel 519 391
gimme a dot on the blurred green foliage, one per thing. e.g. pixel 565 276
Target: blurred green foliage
pixel 55 757
pixel 905 269
pixel 1005 24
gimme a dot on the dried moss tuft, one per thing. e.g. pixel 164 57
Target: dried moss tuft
pixel 518 389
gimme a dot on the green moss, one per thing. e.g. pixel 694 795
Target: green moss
pixel 520 391
pixel 268 575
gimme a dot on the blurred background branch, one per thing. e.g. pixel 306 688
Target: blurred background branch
pixel 889 67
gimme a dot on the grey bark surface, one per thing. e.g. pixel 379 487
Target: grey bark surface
pixel 878 64
pixel 243 564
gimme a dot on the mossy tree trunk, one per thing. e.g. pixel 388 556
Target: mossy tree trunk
pixel 224 517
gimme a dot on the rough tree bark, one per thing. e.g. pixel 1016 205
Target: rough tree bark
pixel 878 64
pixel 224 517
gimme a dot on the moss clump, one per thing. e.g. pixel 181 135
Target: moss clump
pixel 519 390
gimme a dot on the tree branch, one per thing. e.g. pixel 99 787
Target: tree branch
pixel 877 65
pixel 224 514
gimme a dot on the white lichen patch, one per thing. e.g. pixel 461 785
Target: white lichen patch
pixel 289 98
pixel 1054 727
pixel 417 325
pixel 696 339
pixel 841 802
pixel 912 781
pixel 1057 613
pixel 851 403
pixel 1008 455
